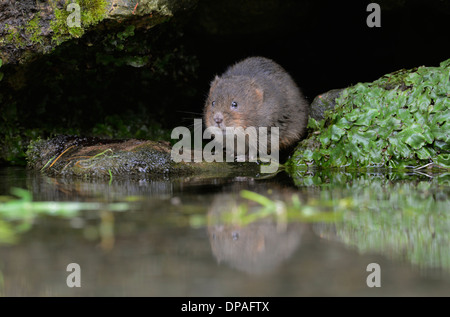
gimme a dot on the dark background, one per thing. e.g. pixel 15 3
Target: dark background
pixel 323 44
pixel 87 87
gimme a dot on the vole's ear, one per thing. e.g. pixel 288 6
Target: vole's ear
pixel 214 83
pixel 259 92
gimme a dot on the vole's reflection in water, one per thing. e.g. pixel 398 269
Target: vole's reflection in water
pixel 256 248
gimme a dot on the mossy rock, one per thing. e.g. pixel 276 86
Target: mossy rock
pixel 398 121
pixel 31 28
pixel 90 157
pixel 324 102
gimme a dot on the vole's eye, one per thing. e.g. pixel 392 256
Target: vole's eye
pixel 234 105
pixel 213 103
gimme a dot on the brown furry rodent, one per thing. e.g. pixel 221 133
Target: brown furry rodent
pixel 257 92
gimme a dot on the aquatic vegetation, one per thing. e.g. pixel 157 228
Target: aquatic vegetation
pixel 17 213
pixel 400 120
pixel 404 216
pixel 282 211
pixel 382 213
pixel 24 206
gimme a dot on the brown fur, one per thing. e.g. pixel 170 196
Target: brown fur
pixel 266 96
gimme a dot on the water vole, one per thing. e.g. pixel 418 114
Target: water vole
pixel 257 92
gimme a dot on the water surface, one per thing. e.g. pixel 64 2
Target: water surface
pixel 145 237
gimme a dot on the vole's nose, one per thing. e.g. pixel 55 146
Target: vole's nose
pixel 218 118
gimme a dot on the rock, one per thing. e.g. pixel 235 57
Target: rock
pixel 401 120
pixel 324 102
pixel 91 157
pixel 29 28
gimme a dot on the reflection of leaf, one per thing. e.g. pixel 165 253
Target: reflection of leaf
pixel 7 233
pixel 308 155
pixel 21 193
pixel 25 208
pixel 260 199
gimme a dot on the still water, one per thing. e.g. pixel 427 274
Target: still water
pixel 144 237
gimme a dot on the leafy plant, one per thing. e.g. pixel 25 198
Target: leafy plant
pixel 17 213
pixel 400 120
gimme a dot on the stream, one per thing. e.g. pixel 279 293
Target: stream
pixel 144 237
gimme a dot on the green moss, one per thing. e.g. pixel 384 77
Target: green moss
pixel 401 120
pixel 33 30
pixel 91 11
pixel 13 37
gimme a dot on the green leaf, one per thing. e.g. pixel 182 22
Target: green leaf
pixel 413 136
pixel 398 148
pixel 441 133
pixel 337 157
pixel 388 125
pixel 440 117
pixel 352 150
pixel 362 138
pixel 375 156
pixel 367 118
pixel 317 156
pixel 313 124
pixel 401 163
pixel 413 78
pixel 442 146
pixel 325 137
pixel 420 118
pixel 405 116
pixel 343 123
pixel 336 133
pixel 445 64
pixel 441 104
pixel 423 101
pixel 428 135
pixel 353 115
pixel 443 160
pixel 423 153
